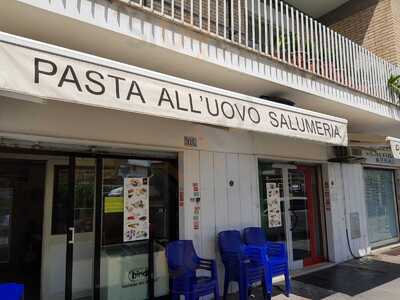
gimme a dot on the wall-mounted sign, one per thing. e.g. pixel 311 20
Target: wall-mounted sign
pixel 64 75
pixel 274 205
pixel 394 146
pixel 190 141
pixel 136 209
pixel 381 156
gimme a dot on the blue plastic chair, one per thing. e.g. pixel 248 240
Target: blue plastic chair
pixel 276 256
pixel 243 264
pixel 183 263
pixel 11 291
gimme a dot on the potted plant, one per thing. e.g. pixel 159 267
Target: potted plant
pixel 394 86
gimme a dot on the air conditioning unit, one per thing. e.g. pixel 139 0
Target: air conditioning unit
pixel 347 155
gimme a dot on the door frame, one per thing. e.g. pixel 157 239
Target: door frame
pixel 314 258
pixel 98 214
pixel 99 156
pixel 396 203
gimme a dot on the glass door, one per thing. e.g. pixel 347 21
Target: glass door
pixel 81 175
pixel 304 217
pixel 139 215
pixel 382 221
pixel 273 202
pixel 120 214
pixel 290 211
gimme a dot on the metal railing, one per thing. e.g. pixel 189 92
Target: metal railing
pixel 277 30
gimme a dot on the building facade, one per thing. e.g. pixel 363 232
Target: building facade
pixel 128 124
pixel 372 24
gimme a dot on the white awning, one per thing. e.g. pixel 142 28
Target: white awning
pixel 395 146
pixel 34 70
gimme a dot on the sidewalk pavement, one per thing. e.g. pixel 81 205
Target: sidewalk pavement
pixel 373 277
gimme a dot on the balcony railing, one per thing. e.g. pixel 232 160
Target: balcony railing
pixel 274 29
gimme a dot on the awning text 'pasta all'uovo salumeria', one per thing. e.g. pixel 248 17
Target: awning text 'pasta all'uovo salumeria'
pixel 50 72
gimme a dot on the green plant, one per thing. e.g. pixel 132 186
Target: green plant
pixel 394 86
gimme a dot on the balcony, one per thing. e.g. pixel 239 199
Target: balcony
pixel 280 32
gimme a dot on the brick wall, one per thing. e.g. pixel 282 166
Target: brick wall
pixel 374 24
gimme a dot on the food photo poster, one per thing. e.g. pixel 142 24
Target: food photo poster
pixel 136 209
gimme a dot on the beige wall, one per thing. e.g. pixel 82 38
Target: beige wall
pixel 374 24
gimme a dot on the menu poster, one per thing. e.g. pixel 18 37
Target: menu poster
pixel 274 205
pixel 136 209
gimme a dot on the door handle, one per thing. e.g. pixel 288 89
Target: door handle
pixel 296 218
pixel 72 230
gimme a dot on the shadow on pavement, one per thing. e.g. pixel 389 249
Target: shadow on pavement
pixel 351 278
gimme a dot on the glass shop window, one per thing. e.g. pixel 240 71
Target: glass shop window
pixel 85 186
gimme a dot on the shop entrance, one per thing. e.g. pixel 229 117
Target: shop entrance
pixel 21 215
pixel 381 202
pixel 121 213
pixel 291 212
pixel 106 220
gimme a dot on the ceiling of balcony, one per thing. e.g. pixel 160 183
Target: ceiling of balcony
pixel 316 9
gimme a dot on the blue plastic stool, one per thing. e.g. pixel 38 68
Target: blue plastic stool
pixel 11 291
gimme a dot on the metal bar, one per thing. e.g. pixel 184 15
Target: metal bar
pixel 343 60
pixel 259 26
pixel 182 11
pixel 173 9
pixel 330 51
pixel 350 62
pixel 191 11
pixel 293 50
pixel 321 49
pixel 283 37
pixel 388 74
pixel 325 71
pixel 379 77
pixel 340 52
pixel 209 16
pixel 356 66
pixel 253 28
pixel 201 14
pixel 373 74
pixel 308 50
pixel 240 21
pixel 232 21
pixel 312 41
pixel 335 57
pixel 277 29
pixel 217 17
pixel 266 29
pixel 225 18
pixel 98 209
pixel 246 21
pixel 365 71
pixel 288 38
pixel 368 71
pixel 298 53
pixel 271 28
pixel 303 44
